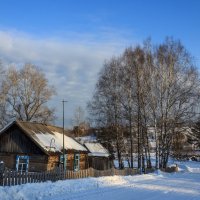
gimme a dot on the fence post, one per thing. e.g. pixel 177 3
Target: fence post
pixel 1 178
pixel 2 169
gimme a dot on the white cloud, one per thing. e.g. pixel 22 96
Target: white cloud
pixel 71 64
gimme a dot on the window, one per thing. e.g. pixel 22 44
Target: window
pixel 62 161
pixel 76 161
pixel 22 163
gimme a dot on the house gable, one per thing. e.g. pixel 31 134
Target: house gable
pixel 13 140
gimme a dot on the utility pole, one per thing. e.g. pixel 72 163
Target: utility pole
pixel 63 102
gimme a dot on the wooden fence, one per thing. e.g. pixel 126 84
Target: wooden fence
pixel 9 178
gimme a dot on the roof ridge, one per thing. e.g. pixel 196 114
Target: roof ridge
pixel 35 122
pixel 32 122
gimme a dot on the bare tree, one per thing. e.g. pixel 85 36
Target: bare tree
pixel 177 92
pixel 147 87
pixel 105 106
pixel 78 120
pixel 27 93
pixel 3 117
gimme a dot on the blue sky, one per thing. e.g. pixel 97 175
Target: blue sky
pixel 70 40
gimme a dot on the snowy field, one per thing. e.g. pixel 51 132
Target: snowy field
pixel 184 185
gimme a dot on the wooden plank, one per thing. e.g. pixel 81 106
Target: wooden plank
pixel 31 178
pixel 34 178
pixel 9 177
pixel 46 176
pixel 39 177
pixel 25 177
pixel 22 178
pixel 16 178
pixel 28 178
pixel 1 178
pixel 43 176
pixel 19 178
pixel 13 178
pixel 4 178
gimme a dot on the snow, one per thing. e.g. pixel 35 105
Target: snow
pixel 84 139
pixel 184 185
pixel 6 127
pixel 54 142
pixel 193 170
pixel 96 149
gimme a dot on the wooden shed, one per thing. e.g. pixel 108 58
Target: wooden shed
pixel 30 146
pixel 98 156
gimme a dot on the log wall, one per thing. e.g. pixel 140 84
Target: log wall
pixel 39 163
pixel 83 162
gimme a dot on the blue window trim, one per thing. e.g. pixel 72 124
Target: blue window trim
pixel 22 157
pixel 61 160
pixel 76 161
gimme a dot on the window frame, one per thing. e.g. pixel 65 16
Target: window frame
pixel 61 160
pixel 20 165
pixel 76 161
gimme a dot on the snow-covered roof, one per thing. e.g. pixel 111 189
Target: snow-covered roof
pixel 49 138
pixel 96 149
pixel 54 142
pixel 86 139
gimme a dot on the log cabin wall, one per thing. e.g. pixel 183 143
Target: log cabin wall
pixel 53 162
pixel 36 163
pixel 9 160
pixel 83 162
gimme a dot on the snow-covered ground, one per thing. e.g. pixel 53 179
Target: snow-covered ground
pixel 184 185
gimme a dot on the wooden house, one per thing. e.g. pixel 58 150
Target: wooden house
pixel 30 146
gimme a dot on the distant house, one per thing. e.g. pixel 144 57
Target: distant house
pixel 98 157
pixel 184 143
pixel 30 146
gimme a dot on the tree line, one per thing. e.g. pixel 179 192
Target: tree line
pixel 149 90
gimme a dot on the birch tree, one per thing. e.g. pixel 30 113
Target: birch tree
pixel 178 92
pixel 105 106
pixel 153 86
pixel 78 119
pixel 3 118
